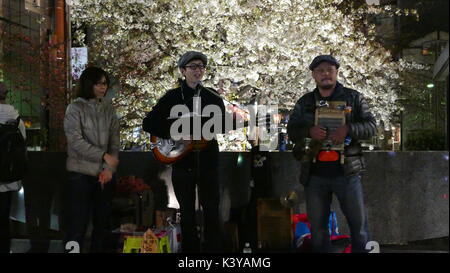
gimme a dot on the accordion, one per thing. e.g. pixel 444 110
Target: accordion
pixel 331 115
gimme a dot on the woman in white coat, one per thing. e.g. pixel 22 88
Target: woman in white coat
pixel 92 131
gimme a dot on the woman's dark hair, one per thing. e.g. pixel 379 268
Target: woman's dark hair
pixel 90 76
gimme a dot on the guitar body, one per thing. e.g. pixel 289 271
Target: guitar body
pixel 169 151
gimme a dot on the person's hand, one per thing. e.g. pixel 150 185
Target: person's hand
pixel 239 114
pixel 318 132
pixel 104 177
pixel 338 136
pixel 111 160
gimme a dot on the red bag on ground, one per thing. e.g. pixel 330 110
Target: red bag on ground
pixel 302 234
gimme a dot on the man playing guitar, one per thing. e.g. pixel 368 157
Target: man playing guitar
pixel 186 174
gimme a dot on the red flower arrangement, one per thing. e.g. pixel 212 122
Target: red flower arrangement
pixel 131 185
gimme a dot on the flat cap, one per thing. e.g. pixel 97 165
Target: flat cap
pixel 192 55
pixel 323 58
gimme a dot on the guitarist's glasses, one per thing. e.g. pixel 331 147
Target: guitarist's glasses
pixel 195 67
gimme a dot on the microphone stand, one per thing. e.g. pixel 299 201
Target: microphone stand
pixel 196 151
pixel 200 87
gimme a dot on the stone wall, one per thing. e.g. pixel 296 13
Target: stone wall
pixel 406 193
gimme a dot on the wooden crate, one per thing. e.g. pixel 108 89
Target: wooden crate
pixel 274 226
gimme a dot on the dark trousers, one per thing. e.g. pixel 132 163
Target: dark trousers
pixel 184 183
pixel 5 208
pixel 39 196
pixel 348 191
pixel 85 197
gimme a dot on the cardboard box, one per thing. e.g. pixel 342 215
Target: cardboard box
pixel 274 226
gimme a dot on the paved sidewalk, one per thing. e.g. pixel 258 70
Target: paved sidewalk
pixel 23 246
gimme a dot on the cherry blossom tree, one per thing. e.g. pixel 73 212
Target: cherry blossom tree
pixel 257 49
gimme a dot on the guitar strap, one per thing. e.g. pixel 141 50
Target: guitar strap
pixel 198 89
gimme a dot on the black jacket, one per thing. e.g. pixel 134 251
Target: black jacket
pixel 157 123
pixel 362 124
